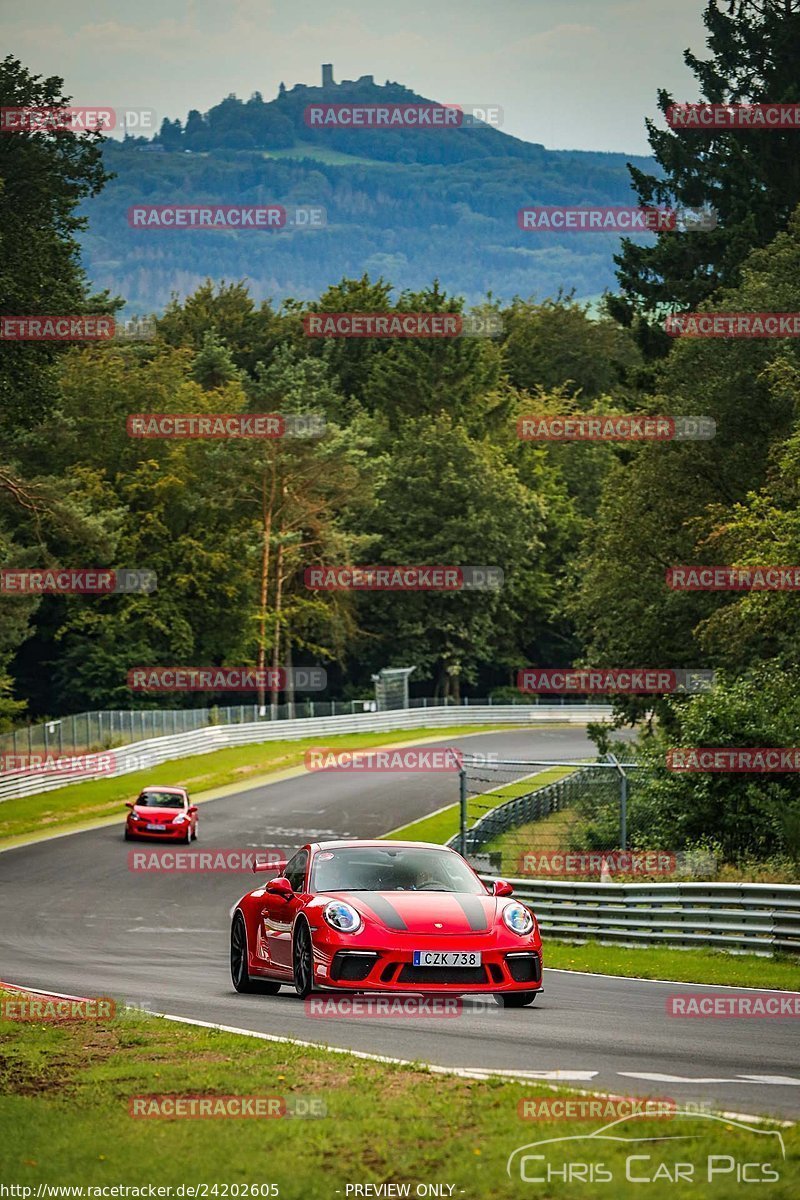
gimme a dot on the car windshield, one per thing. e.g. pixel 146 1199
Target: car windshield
pixel 409 869
pixel 160 800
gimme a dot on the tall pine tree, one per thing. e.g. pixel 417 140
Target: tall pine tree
pixel 751 177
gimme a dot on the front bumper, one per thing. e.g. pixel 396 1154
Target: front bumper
pixel 172 833
pixel 507 967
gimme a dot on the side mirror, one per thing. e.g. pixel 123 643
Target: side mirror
pixel 501 887
pixel 130 803
pixel 192 809
pixel 280 887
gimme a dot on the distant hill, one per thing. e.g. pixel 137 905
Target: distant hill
pixel 406 204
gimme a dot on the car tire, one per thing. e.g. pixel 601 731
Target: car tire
pixel 514 999
pixel 188 837
pixel 302 960
pixel 242 981
pixel 128 837
pixel 194 835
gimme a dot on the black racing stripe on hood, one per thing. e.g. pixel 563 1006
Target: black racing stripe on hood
pixel 474 912
pixel 383 909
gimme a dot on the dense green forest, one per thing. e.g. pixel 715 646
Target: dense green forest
pixel 420 461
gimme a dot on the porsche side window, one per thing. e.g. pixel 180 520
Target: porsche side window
pixel 296 870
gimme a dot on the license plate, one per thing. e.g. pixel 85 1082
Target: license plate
pixel 447 958
pixel 157 828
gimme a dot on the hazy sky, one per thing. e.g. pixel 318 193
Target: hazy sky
pixel 578 74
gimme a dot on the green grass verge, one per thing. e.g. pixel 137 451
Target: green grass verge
pixel 66 1090
pixel 548 833
pixel 440 826
pixel 688 966
pixel 82 803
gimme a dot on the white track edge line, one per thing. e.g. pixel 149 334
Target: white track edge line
pixel 729 987
pixel 460 1072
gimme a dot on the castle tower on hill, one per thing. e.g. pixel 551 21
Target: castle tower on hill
pixel 329 82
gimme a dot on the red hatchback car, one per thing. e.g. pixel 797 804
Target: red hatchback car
pixel 384 916
pixel 162 812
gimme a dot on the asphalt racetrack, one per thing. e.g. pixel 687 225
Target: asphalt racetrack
pixel 75 919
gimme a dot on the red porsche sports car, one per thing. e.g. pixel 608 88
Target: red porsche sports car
pixel 162 812
pixel 385 916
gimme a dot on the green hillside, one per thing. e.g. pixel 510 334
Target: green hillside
pixel 396 201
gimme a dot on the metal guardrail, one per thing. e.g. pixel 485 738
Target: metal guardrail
pixel 759 918
pixel 150 753
pixel 106 728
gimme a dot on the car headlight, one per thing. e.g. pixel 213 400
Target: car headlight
pixel 180 819
pixel 342 917
pixel 518 919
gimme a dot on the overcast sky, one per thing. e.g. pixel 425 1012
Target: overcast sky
pixel 573 74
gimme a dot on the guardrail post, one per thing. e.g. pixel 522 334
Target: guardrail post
pixel 462 800
pixel 623 802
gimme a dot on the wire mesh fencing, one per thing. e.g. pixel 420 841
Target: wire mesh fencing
pixel 566 821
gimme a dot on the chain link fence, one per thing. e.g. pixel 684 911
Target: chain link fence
pixel 572 826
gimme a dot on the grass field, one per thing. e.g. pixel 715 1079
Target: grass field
pixel 82 803
pixel 440 826
pixel 688 966
pixel 67 1089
